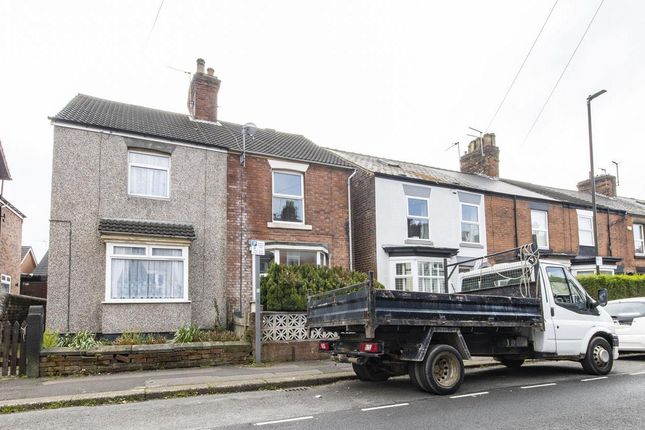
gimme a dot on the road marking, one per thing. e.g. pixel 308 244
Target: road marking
pixel 637 373
pixel 469 395
pixel 385 407
pixel 538 386
pixel 594 379
pixel 288 420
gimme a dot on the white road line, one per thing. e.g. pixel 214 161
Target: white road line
pixel 637 373
pixel 288 420
pixel 538 386
pixel 385 407
pixel 469 395
pixel 594 379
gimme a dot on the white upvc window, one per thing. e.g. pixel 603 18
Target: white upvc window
pixel 418 218
pixel 540 227
pixel 585 228
pixel 288 197
pixel 5 283
pixel 639 239
pixel 470 223
pixel 148 174
pixel 424 275
pixel 146 273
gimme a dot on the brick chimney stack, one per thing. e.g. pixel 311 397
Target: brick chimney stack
pixel 605 185
pixel 202 94
pixel 483 161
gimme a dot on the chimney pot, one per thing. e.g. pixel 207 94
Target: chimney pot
pixel 482 156
pixel 605 185
pixel 200 65
pixel 210 71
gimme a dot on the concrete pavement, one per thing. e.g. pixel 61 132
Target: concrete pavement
pixel 18 394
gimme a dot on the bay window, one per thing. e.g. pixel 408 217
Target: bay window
pixel 288 197
pixel 430 277
pixel 148 174
pixel 470 223
pixel 418 219
pixel 540 228
pixel 418 275
pixel 403 277
pixel 145 272
pixel 639 239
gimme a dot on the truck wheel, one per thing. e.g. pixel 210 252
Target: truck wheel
pixel 443 369
pixel 599 358
pixel 417 376
pixel 370 371
pixel 512 363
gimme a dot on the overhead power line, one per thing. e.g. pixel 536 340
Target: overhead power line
pixel 510 87
pixel 156 18
pixel 563 71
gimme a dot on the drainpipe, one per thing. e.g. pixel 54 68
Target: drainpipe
pixel 517 239
pixel 349 212
pixel 608 235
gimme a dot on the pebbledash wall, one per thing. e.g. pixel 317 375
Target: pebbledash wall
pixel 89 182
pixel 250 211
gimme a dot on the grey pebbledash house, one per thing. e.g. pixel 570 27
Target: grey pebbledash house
pixel 138 230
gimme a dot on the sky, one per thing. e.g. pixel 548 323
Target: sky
pixel 398 79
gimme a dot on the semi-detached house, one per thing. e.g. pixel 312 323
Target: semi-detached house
pixel 152 212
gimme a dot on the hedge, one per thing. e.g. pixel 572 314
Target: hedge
pixel 618 286
pixel 285 288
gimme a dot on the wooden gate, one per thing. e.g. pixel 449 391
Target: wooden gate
pixel 12 348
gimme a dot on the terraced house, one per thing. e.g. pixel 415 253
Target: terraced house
pixel 152 212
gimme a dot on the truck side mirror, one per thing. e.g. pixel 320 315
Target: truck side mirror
pixel 603 295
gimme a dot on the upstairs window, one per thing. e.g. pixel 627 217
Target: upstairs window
pixel 418 220
pixel 470 223
pixel 639 239
pixel 585 228
pixel 149 175
pixel 288 197
pixel 540 228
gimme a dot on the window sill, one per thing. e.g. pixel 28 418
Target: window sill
pixel 289 225
pixel 639 255
pixel 144 301
pixel 471 245
pixel 141 196
pixel 411 241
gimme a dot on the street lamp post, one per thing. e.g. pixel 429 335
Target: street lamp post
pixel 593 179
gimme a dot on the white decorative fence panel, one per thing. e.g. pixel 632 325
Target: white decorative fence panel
pixel 278 326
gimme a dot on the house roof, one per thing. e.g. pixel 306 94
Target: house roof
pixel 5 203
pixel 23 251
pixel 621 204
pixel 42 267
pixel 115 116
pixel 433 175
pixel 4 167
pixel 146 228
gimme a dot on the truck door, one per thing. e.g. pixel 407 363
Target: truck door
pixel 545 341
pixel 572 313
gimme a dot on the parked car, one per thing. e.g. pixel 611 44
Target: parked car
pixel 629 318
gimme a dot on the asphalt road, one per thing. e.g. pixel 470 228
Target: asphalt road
pixel 555 395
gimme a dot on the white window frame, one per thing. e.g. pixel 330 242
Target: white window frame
pixel 415 263
pixel 586 215
pixel 477 223
pixel 148 166
pixel 288 196
pixel 407 211
pixel 546 224
pixel 5 282
pixel 641 229
pixel 109 255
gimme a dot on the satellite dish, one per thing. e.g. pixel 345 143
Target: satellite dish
pixel 249 129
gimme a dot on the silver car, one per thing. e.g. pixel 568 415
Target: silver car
pixel 629 318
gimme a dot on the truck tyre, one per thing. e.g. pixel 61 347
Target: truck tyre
pixel 417 376
pixel 370 371
pixel 599 358
pixel 512 363
pixel 443 369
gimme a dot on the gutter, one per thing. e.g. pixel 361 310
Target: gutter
pixel 349 212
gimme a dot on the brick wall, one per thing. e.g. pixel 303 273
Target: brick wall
pixel 249 210
pixel 364 221
pixel 10 245
pixel 292 351
pixel 111 359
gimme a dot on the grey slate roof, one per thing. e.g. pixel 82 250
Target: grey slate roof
pixel 146 228
pixel 6 203
pixel 433 175
pixel 42 267
pixel 106 114
pixel 623 204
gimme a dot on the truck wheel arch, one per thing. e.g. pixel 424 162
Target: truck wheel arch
pixel 436 336
pixel 593 332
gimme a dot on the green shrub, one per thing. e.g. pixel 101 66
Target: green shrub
pixel 285 288
pixel 150 339
pixel 80 340
pixel 618 286
pixel 188 333
pixel 50 339
pixel 129 338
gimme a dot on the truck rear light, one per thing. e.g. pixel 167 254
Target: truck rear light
pixel 324 346
pixel 371 347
